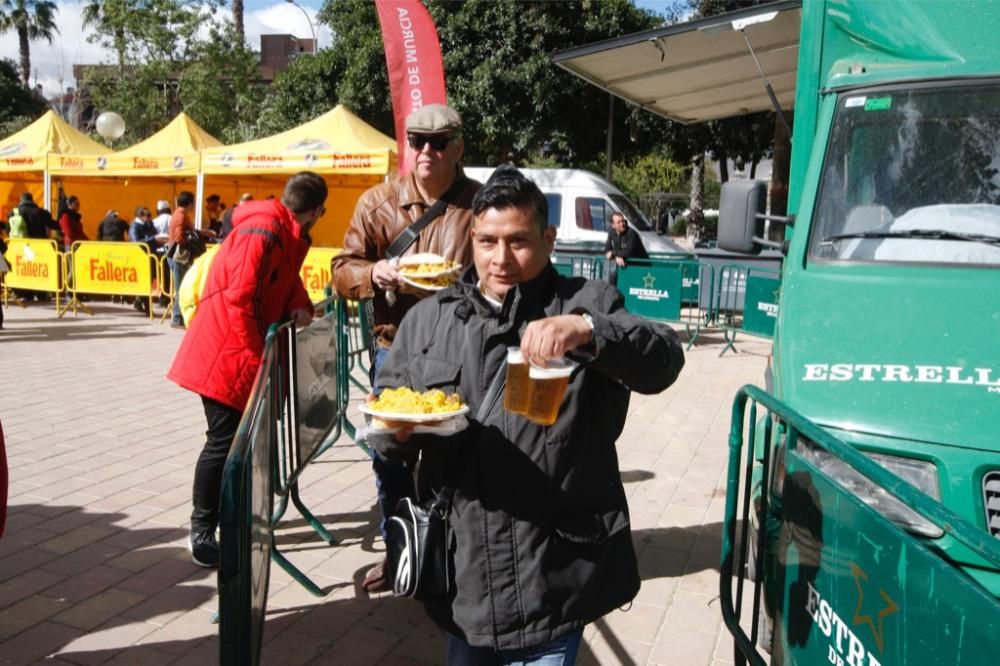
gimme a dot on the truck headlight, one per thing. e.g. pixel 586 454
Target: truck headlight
pixel 920 473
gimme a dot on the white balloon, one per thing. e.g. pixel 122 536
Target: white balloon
pixel 110 125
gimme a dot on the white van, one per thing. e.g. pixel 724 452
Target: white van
pixel 580 207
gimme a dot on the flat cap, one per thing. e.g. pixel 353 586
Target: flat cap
pixel 434 119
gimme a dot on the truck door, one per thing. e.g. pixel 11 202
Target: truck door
pixel 846 586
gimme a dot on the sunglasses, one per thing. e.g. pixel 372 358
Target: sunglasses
pixel 437 141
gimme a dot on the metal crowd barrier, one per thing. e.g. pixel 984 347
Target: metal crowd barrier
pixel 590 266
pixel 747 302
pixel 296 412
pixel 833 581
pixel 669 290
pixel 245 529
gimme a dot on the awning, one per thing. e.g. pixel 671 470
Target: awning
pixel 338 142
pixel 27 150
pixel 700 70
pixel 171 152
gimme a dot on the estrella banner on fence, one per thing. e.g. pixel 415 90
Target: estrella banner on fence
pixel 652 290
pixel 102 267
pixel 413 57
pixel 760 307
pixel 34 264
pixel 315 271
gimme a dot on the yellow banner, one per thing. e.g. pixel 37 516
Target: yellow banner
pixel 111 268
pixel 315 271
pixel 124 165
pixel 34 264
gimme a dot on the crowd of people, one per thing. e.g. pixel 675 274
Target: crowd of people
pixel 162 234
pixel 538 537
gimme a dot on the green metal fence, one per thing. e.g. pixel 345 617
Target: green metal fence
pixel 245 522
pixel 590 266
pixel 833 580
pixel 669 290
pixel 746 302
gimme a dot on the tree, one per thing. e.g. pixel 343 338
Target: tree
pixel 216 87
pixel 305 90
pixel 516 105
pixel 238 20
pixel 19 106
pixel 165 66
pixel 30 20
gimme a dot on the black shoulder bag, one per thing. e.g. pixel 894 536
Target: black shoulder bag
pixel 407 237
pixel 416 538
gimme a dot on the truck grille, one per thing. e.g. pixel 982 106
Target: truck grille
pixel 991 500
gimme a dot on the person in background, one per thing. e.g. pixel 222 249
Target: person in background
pixel 162 224
pixel 70 222
pixel 162 219
pixel 181 221
pixel 142 230
pixel 227 217
pixel 362 269
pixel 623 244
pixel 252 283
pixel 37 222
pixel 112 228
pixel 538 523
pixel 213 213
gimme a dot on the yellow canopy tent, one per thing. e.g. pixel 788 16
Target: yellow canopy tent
pixel 350 154
pixel 157 168
pixel 24 157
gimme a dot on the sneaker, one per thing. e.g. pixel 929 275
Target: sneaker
pixel 204 549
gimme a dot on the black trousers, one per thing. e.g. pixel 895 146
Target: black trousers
pixel 223 421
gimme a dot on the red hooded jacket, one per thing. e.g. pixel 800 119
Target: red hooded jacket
pixel 253 282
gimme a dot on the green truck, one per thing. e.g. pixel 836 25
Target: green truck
pixel 863 506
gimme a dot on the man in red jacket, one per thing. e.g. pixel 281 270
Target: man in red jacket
pixel 253 283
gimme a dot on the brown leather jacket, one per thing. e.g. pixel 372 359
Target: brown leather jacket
pixel 382 213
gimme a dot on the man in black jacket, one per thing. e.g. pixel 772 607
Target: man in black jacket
pixel 37 220
pixel 623 244
pixel 540 540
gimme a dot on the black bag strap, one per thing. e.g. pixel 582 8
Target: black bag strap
pixel 408 236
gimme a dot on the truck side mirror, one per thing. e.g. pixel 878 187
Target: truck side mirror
pixel 741 210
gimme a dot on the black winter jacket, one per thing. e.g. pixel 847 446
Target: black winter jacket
pixel 627 245
pixel 37 220
pixel 540 541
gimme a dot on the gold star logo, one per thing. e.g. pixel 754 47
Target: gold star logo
pixel 648 281
pixel 888 607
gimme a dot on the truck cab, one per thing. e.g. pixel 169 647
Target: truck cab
pixel 889 307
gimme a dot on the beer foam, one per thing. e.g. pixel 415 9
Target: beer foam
pixel 555 369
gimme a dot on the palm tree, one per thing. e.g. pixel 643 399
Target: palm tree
pixel 31 20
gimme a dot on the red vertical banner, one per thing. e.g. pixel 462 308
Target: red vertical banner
pixel 413 56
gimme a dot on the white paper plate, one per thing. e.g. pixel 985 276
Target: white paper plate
pixel 413 418
pixel 421 258
pixel 421 286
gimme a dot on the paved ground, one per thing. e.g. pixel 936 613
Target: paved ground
pixel 94 567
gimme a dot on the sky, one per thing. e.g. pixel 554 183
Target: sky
pixel 52 66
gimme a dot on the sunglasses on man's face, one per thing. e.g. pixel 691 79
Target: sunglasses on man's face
pixel 437 141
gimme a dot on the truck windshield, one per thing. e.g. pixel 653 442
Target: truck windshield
pixel 912 176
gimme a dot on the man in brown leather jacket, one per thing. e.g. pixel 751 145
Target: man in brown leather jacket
pixel 362 269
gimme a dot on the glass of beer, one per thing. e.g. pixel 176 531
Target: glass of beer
pixel 517 393
pixel 548 385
